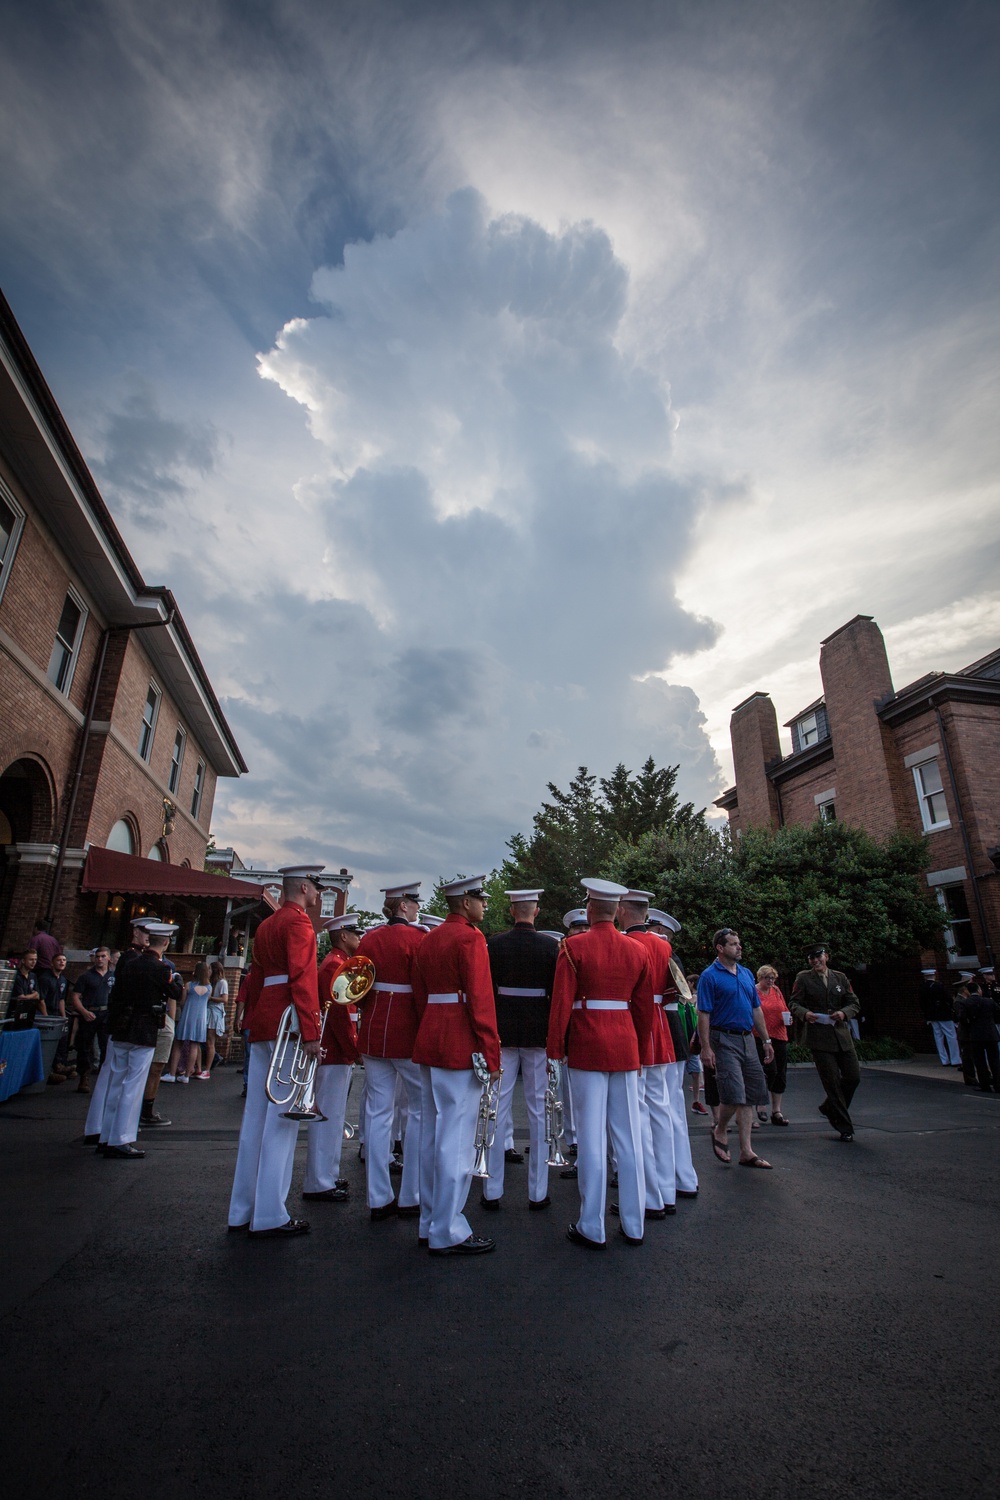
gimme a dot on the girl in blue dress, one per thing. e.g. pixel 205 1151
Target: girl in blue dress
pixel 192 1028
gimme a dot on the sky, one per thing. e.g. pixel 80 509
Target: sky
pixel 507 387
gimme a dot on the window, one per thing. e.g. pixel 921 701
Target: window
pixel 958 937
pixel 199 787
pixel 158 853
pixel 149 714
pixel 827 812
pixel 808 731
pixel 11 522
pixel 121 837
pixel 69 634
pixel 930 795
pixel 177 759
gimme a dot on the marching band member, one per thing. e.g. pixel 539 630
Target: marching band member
pixel 338 1054
pixel 575 921
pixel 388 1031
pixel 602 1013
pixel 453 990
pixel 523 965
pixel 657 1125
pixel 137 1009
pixel 664 925
pixel 283 973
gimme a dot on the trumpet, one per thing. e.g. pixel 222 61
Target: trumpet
pixel 486 1124
pixel 555 1130
pixel 291 1076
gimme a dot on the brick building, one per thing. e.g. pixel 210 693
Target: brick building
pixel 111 734
pixel 925 758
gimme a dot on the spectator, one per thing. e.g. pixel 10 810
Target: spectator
pixel 935 1002
pixel 45 945
pixel 729 1014
pixel 693 1068
pixel 778 1018
pixel 53 987
pixel 977 1019
pixel 192 1028
pixel 25 998
pixel 216 1022
pixel 88 997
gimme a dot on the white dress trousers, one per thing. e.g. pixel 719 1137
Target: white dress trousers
pixel 126 1082
pixel 266 1153
pixel 449 1108
pixel 401 1106
pixel 686 1176
pixel 658 1139
pixel 946 1043
pixel 98 1099
pixel 531 1062
pixel 325 1138
pixel 608 1104
pixel 382 1075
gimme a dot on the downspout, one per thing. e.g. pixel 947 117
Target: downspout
pixel 966 845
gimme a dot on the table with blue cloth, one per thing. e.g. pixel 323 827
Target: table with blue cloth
pixel 20 1061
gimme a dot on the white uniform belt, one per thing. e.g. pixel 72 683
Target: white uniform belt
pixel 451 999
pixel 506 989
pixel 672 1006
pixel 393 989
pixel 657 999
pixel 275 979
pixel 600 1005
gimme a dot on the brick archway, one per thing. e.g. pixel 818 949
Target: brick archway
pixel 28 803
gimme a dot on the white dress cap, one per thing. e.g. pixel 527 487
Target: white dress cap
pixel 522 895
pixel 427 922
pixel 928 971
pixel 638 896
pixel 411 888
pixel 337 924
pixel 664 918
pixel 302 872
pixel 544 932
pixel 604 890
pixel 578 914
pixel 469 885
pixel 161 929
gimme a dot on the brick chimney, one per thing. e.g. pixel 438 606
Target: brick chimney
pixel 753 731
pixel 855 671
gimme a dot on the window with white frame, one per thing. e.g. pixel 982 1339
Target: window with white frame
pixel 149 715
pixel 177 758
pixel 808 731
pixel 11 523
pixel 827 811
pixel 199 787
pixel 957 921
pixel 930 795
pixel 66 646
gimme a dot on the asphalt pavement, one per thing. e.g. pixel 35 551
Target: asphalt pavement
pixel 825 1329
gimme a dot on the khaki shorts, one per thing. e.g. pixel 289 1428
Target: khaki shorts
pixel 164 1041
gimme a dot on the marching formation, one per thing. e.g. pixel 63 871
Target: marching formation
pixel 444 1021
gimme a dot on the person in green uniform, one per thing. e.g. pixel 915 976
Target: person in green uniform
pixel 823 998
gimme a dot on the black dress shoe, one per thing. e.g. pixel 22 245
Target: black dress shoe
pixel 661 1213
pixel 569 1173
pixel 123 1153
pixel 336 1194
pixel 422 1241
pixel 92 1140
pixel 576 1238
pixel 571 1151
pixel 629 1239
pixel 535 1204
pixel 387 1211
pixel 476 1244
pixel 408 1211
pixel 516 1157
pixel 150 1120
pixel 847 1135
pixel 238 1228
pixel 687 1193
pixel 491 1205
pixel 283 1231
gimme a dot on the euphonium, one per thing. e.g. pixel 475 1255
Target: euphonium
pixel 554 1128
pixel 486 1124
pixel 291 1077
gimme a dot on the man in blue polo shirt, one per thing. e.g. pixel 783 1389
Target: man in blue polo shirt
pixel 728 1015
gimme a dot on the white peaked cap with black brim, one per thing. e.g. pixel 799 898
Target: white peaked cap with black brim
pixel 339 924
pixel 663 918
pixel 410 888
pixel 471 885
pixel 517 896
pixel 302 872
pixel 572 918
pixel 604 890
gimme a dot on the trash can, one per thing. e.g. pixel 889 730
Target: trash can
pixel 50 1030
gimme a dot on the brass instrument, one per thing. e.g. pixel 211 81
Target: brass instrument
pixel 680 983
pixel 350 985
pixel 555 1130
pixel 486 1124
pixel 291 1076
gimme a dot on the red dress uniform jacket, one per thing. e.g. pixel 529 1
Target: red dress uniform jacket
pixel 454 959
pixel 601 964
pixel 339 1037
pixel 389 1017
pixel 660 1046
pixel 284 951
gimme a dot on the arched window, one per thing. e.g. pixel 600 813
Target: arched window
pixel 155 853
pixel 160 851
pixel 121 837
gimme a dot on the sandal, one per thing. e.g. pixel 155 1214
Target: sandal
pixel 778 1118
pixel 721 1150
pixel 756 1161
pixel 762 1116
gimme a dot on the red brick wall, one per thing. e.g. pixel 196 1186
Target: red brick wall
pixel 855 672
pixel 797 794
pixel 753 731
